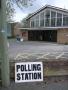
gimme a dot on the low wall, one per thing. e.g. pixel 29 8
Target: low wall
pixel 57 69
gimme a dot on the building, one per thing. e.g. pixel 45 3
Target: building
pixel 47 24
pixel 11 27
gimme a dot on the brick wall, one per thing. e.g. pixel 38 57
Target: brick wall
pixel 62 36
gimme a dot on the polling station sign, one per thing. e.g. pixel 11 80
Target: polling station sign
pixel 28 72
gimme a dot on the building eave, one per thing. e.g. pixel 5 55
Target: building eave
pixel 43 28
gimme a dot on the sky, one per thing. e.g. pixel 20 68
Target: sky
pixel 22 13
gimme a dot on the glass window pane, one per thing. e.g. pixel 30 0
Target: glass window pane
pixel 47 18
pixel 37 21
pixel 53 22
pixel 47 15
pixel 42 19
pixel 53 14
pixel 32 23
pixel 59 19
pixel 47 21
pixel 65 20
pixel 53 18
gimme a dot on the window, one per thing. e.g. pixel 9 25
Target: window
pixel 59 19
pixel 65 20
pixel 37 21
pixel 32 23
pixel 52 22
pixel 9 29
pixel 47 21
pixel 47 18
pixel 53 18
pixel 53 14
pixel 42 19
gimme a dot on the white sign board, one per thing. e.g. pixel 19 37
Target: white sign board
pixel 28 72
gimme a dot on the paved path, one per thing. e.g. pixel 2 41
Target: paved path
pixel 38 86
pixel 37 50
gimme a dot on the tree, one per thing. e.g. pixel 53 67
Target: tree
pixel 9 10
pixel 24 22
pixel 20 3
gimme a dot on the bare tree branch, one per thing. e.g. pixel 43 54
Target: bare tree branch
pixel 20 3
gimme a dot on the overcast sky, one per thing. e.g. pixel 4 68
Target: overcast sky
pixel 20 14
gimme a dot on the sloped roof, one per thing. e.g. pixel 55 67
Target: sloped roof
pixel 47 6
